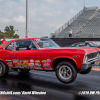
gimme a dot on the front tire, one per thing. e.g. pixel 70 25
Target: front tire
pixel 3 70
pixel 66 72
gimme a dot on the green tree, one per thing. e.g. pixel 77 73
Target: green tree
pixel 53 36
pixel 16 36
pixel 9 32
pixel 45 37
pixel 0 31
pixel 9 28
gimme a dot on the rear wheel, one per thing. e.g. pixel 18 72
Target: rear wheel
pixel 24 70
pixel 66 72
pixel 3 70
pixel 86 71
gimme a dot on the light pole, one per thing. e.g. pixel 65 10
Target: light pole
pixel 26 18
pixel 84 3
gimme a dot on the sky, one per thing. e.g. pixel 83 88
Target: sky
pixel 44 16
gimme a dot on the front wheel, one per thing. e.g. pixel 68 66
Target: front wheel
pixel 66 72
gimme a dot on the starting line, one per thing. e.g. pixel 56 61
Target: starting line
pixel 94 68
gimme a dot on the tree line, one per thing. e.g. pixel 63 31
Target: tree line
pixel 9 32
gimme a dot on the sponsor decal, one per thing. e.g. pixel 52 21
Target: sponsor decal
pixel 48 60
pixel 31 64
pixel 47 68
pixel 46 64
pixel 25 61
pixel 31 60
pixel 15 61
pixel 7 60
pixel 25 64
pixel 9 63
pixel 37 61
pixel 19 60
pixel 44 61
pixel 46 44
pixel 37 64
pixel 20 63
pixel 37 40
pixel 18 66
pixel 10 66
pixel 76 56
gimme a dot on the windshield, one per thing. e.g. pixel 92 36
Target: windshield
pixel 93 45
pixel 46 43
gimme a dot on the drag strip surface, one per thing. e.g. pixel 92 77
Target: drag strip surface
pixel 47 82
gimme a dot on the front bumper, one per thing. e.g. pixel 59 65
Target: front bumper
pixel 89 64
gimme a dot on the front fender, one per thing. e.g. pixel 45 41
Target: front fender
pixel 67 57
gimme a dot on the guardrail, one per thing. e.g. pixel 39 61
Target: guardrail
pixel 91 8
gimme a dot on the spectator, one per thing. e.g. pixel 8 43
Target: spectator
pixel 4 40
pixel 70 33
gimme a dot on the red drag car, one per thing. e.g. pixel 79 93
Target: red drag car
pixel 44 54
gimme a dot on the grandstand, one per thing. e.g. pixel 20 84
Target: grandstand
pixel 85 24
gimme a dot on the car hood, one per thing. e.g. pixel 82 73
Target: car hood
pixel 84 49
pixel 88 49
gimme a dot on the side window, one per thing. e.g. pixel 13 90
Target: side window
pixel 10 46
pixel 77 45
pixel 24 45
pixel 88 45
pixel 73 45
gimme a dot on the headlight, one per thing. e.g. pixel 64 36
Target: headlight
pixel 85 59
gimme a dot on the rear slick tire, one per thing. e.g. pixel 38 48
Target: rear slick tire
pixel 3 70
pixel 66 72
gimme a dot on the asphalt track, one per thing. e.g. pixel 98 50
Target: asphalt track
pixel 47 82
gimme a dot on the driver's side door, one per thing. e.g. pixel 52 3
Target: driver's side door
pixel 26 55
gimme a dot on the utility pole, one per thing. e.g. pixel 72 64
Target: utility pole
pixel 26 18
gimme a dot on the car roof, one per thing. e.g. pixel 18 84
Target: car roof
pixel 4 44
pixel 27 39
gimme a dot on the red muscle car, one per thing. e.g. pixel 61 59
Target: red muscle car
pixel 45 54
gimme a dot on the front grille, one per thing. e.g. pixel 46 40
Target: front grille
pixel 93 55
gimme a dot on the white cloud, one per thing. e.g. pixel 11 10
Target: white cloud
pixel 44 16
pixel 50 1
pixel 5 20
pixel 48 14
pixel 19 19
pixel 72 11
pixel 40 19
